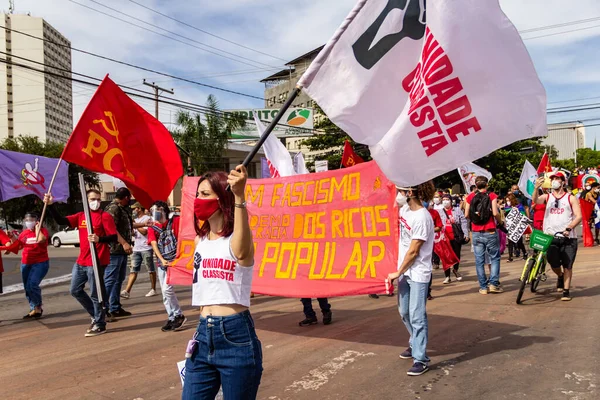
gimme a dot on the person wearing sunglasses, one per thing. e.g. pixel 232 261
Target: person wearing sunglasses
pixel 562 215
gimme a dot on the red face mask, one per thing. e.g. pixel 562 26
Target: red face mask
pixel 205 208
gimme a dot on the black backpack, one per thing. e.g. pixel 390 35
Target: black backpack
pixel 481 209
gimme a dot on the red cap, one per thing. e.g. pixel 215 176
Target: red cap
pixel 559 174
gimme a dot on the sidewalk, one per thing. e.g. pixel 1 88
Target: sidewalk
pixel 482 347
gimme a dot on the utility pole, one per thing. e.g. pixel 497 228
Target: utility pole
pixel 157 92
pixel 11 6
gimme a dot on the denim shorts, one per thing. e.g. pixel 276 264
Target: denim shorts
pixel 142 257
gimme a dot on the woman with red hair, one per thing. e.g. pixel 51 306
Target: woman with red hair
pixel 225 351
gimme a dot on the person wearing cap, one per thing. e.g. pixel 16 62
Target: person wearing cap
pixel 414 270
pixel 117 268
pixel 562 215
pixel 485 237
pixel 142 251
pixel 34 262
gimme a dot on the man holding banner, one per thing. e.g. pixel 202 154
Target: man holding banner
pixel 105 233
pixel 414 271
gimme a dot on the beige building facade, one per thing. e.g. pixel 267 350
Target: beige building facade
pixel 34 103
pixel 566 138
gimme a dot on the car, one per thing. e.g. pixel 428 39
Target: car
pixel 66 236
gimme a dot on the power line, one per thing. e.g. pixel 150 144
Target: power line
pixel 170 32
pixel 206 32
pixel 563 32
pixel 561 25
pixel 134 66
pixel 569 101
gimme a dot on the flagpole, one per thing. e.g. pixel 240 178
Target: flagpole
pixel 272 125
pixel 270 128
pixel 88 217
pixel 37 236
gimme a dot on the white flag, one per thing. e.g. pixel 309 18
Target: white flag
pixel 278 158
pixel 428 98
pixel 469 172
pixel 300 164
pixel 527 180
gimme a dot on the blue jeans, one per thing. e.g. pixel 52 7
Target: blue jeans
pixel 113 278
pixel 32 275
pixel 228 355
pixel 168 293
pixel 487 242
pixel 412 301
pixel 80 276
pixel 308 309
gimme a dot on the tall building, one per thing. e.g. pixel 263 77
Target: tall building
pixel 277 89
pixel 566 138
pixel 33 103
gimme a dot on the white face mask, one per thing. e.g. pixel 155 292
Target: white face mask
pixel 507 203
pixel 446 203
pixel 401 199
pixel 556 184
pixel 436 200
pixel 588 187
pixel 94 205
pixel 30 224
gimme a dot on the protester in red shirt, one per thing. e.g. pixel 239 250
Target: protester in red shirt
pixel 104 232
pixel 539 210
pixel 438 225
pixel 34 263
pixel 482 211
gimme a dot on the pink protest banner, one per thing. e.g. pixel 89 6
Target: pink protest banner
pixel 328 234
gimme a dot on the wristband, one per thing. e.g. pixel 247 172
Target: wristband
pixel 568 229
pixel 243 205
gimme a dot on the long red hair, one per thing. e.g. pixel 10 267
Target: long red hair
pixel 218 184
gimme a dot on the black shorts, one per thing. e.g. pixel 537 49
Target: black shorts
pixel 562 252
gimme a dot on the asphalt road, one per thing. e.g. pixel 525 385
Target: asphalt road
pixel 61 263
pixel 482 347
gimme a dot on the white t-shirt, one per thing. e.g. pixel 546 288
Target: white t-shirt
pixel 416 225
pixel 140 242
pixel 218 279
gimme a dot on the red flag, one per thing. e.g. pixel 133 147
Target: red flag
pixel 118 137
pixel 444 250
pixel 587 209
pixel 349 157
pixel 544 165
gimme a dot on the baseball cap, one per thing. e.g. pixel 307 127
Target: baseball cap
pixel 137 205
pixel 559 174
pixel 122 193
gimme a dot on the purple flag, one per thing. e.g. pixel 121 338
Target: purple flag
pixel 22 174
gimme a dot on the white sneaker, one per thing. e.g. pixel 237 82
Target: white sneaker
pixel 447 281
pixel 151 293
pixel 458 276
pixel 125 294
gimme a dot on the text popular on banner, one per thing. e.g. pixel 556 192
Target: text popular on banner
pixel 331 235
pixel 516 225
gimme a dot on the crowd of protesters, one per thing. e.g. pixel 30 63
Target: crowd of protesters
pixel 124 235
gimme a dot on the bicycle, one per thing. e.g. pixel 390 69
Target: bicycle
pixel 534 270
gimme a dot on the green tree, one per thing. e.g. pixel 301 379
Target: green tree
pixel 13 210
pixel 587 158
pixel 331 141
pixel 205 137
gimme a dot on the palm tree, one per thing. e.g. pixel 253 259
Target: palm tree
pixel 205 137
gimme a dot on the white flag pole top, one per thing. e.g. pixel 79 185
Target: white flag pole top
pixel 469 172
pixel 527 179
pixel 279 159
pixel 428 98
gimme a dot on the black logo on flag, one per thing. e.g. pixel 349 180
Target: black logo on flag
pixel 413 27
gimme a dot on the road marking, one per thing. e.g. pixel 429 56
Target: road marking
pixel 320 376
pixel 50 281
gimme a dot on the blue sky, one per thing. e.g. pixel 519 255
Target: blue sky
pixel 568 63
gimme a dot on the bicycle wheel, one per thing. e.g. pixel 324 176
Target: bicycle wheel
pixel 528 267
